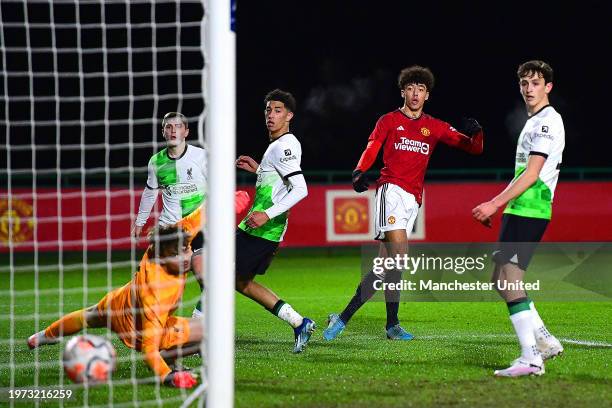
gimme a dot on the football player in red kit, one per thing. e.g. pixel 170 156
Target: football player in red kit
pixel 408 137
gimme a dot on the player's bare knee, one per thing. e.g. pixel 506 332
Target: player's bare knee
pixel 513 272
pixel 396 242
pixel 242 285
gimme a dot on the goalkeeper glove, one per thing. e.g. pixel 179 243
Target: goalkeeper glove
pixel 242 201
pixel 180 379
pixel 470 126
pixel 360 181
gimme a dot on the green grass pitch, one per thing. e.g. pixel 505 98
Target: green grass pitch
pixel 449 363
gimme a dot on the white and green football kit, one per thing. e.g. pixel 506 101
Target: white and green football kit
pixel 523 225
pixel 182 181
pixel 280 185
pixel 543 135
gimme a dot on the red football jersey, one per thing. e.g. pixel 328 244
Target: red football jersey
pixel 408 144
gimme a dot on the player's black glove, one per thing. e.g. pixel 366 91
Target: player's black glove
pixel 360 181
pixel 470 126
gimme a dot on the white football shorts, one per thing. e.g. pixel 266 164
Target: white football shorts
pixel 395 209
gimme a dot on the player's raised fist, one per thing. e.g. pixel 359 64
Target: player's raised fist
pixel 470 126
pixel 360 182
pixel 180 379
pixel 247 163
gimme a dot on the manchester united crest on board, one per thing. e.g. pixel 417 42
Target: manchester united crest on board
pixel 16 222
pixel 351 215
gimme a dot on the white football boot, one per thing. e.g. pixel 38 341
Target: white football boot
pixel 521 367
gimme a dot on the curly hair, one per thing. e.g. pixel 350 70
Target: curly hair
pixel 416 75
pixel 166 241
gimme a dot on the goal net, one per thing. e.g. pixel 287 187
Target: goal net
pixel 85 85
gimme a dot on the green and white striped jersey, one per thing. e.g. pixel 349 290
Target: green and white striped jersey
pixel 280 162
pixel 182 181
pixel 543 135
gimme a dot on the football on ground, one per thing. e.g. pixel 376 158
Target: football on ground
pixel 89 359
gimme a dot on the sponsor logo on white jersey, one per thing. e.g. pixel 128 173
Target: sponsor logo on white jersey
pixel 181 188
pixel 286 159
pixel 544 135
pixel 410 145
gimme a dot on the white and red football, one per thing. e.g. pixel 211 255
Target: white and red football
pixel 89 359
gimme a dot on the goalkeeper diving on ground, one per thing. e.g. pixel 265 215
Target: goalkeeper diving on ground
pixel 142 311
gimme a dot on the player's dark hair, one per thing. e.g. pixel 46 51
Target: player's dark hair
pixel 281 96
pixel 172 115
pixel 166 241
pixel 538 67
pixel 416 75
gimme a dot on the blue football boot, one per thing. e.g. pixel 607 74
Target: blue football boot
pixel 334 327
pixel 397 332
pixel 302 334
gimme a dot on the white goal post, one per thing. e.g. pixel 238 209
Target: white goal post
pixel 221 138
pixel 84 86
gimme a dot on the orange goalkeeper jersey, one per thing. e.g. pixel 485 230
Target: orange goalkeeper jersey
pixel 141 311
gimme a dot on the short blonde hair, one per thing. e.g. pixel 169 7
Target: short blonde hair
pixel 172 115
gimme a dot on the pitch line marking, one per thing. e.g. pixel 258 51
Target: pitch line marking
pixel 587 343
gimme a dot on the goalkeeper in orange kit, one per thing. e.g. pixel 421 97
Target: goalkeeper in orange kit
pixel 142 311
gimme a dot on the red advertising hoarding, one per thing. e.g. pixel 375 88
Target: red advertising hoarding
pixel 331 215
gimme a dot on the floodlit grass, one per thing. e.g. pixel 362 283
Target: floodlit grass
pixel 449 363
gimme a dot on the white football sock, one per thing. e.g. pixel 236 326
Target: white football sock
pixel 523 326
pixel 289 315
pixel 540 329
